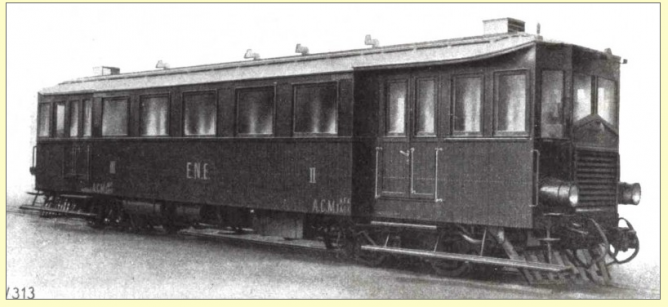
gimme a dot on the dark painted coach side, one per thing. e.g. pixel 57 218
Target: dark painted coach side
pixel 486 179
pixel 270 172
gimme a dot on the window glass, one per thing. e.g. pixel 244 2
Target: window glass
pixel 88 117
pixel 426 107
pixel 154 114
pixel 316 109
pixel 511 104
pixel 607 106
pixel 44 124
pixel 396 108
pixel 75 114
pixel 60 119
pixel 255 114
pixel 582 87
pixel 467 104
pixel 114 117
pixel 199 114
pixel 552 108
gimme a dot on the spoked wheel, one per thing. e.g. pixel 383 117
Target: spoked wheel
pixel 625 248
pixel 366 257
pixel 451 268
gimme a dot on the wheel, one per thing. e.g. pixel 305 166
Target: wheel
pixel 171 228
pixel 97 222
pixel 451 268
pixel 364 257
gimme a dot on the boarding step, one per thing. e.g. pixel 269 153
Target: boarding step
pixel 76 196
pixel 64 212
pixel 229 235
pixel 547 267
pixel 38 193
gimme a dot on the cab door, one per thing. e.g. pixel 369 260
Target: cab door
pixel 408 141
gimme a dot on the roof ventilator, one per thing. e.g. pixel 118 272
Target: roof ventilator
pixel 251 55
pixel 373 42
pixel 301 49
pixel 162 65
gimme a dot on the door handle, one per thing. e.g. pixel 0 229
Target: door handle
pixel 405 153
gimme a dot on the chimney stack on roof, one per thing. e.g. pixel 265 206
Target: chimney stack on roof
pixel 502 25
pixel 106 70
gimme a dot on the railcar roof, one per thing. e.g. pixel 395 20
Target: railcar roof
pixel 434 52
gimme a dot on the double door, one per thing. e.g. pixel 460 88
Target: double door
pixel 408 144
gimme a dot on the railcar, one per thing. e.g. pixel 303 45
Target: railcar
pixel 499 150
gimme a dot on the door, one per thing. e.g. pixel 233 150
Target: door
pixel 408 142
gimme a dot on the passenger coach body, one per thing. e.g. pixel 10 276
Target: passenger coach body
pixel 503 134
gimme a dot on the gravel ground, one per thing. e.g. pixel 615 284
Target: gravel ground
pixel 63 258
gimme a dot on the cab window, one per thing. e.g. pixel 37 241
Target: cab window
pixel 552 104
pixel 582 101
pixel 606 101
pixel 511 104
pixel 44 123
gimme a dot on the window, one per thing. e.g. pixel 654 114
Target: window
pixel 60 119
pixel 255 111
pixel 396 108
pixel 582 101
pixel 426 108
pixel 44 123
pixel 552 109
pixel 114 117
pixel 511 103
pixel 606 101
pixel 88 117
pixel 75 114
pixel 467 105
pixel 154 116
pixel 316 109
pixel 199 114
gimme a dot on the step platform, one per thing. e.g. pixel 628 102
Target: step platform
pixel 249 237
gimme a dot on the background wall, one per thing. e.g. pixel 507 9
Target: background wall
pixel 51 43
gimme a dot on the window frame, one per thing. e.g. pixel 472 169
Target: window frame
pixel 414 121
pixel 294 103
pixel 615 99
pixel 386 107
pixel 83 117
pixel 50 117
pixel 592 95
pixel 69 118
pixel 169 112
pixel 527 104
pixel 237 92
pixel 463 134
pixel 128 111
pixel 183 113
pixel 66 131
pixel 564 115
